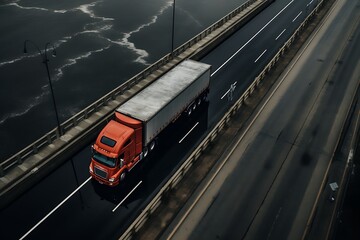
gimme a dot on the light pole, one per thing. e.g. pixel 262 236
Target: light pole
pixel 173 29
pixel 45 61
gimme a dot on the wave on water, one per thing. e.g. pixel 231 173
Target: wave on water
pixel 35 101
pixel 12 61
pixel 196 21
pixel 124 41
pixel 72 61
pixel 15 4
pixel 98 28
pixel 87 9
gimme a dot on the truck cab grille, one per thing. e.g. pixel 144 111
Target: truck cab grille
pixel 101 173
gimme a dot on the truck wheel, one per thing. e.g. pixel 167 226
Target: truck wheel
pixel 123 175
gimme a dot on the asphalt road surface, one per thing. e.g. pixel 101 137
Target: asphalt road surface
pixel 266 186
pixel 67 204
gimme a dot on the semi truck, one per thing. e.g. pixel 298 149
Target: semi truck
pixel 134 130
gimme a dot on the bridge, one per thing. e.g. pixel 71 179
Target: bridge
pixel 85 125
pixel 230 97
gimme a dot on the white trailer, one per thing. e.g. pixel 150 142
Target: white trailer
pixel 168 97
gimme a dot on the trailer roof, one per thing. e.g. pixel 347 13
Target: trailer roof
pixel 150 100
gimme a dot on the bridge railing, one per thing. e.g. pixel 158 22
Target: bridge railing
pixel 180 173
pixel 48 138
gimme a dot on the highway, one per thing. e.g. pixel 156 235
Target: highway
pixel 67 204
pixel 265 187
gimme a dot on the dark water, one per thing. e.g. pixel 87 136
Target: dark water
pixel 99 45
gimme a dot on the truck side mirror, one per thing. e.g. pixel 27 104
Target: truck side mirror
pixel 121 158
pixel 121 162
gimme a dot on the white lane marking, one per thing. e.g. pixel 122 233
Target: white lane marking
pixel 127 196
pixel 232 88
pixel 310 3
pixel 350 156
pixel 52 211
pixel 273 224
pixel 225 93
pixel 222 65
pixel 280 34
pixel 189 132
pixel 297 16
pixel 260 55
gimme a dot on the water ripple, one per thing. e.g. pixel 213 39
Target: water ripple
pixel 94 28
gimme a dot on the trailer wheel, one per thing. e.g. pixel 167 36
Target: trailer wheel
pixel 146 151
pixel 152 145
pixel 199 101
pixel 189 111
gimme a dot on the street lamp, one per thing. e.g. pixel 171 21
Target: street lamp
pixel 45 61
pixel 173 29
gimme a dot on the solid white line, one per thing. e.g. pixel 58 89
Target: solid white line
pixel 189 132
pixel 297 16
pixel 225 94
pixel 228 90
pixel 52 211
pixel 261 55
pixel 222 65
pixel 350 156
pixel 273 224
pixel 127 196
pixel 280 34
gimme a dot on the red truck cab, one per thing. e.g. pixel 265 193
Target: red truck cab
pixel 117 149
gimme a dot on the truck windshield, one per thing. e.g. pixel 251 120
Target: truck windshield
pixel 110 162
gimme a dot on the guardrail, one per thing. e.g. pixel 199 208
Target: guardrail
pixel 48 138
pixel 176 178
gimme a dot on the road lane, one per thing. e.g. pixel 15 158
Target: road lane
pixel 266 188
pixel 250 42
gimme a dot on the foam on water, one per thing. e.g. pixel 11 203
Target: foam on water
pixel 96 28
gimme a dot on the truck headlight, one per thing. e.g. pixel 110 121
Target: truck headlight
pixel 111 179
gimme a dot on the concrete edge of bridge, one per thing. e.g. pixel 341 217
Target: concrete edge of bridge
pixel 35 167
